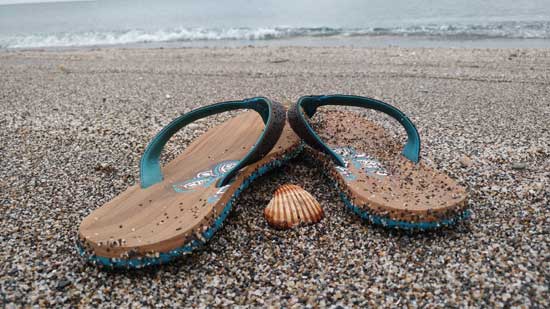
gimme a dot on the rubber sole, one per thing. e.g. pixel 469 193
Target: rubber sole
pixel 388 222
pixel 403 225
pixel 188 248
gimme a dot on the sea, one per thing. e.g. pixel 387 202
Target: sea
pixel 181 23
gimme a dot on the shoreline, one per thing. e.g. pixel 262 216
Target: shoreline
pixel 378 41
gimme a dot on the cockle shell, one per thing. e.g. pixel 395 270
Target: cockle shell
pixel 290 206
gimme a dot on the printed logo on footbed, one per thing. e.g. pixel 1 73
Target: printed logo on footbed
pixel 362 161
pixel 206 178
pixel 214 198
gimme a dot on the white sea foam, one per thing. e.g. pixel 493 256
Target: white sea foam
pixel 539 30
pixel 138 36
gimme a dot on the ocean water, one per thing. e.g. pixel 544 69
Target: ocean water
pixel 281 22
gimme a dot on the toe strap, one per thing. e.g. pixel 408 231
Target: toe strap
pixel 273 115
pixel 307 106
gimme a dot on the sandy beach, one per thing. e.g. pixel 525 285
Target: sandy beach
pixel 75 123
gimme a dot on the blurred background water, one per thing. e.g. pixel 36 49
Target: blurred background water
pixel 277 22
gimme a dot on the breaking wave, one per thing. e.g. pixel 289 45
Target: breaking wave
pixel 516 30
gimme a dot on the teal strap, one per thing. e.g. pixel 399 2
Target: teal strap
pixel 309 105
pixel 150 170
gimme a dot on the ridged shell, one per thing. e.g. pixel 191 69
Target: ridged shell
pixel 292 205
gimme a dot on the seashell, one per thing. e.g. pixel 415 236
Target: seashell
pixel 290 206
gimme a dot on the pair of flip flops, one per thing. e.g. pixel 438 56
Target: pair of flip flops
pixel 175 210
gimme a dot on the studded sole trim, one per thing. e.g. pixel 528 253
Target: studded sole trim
pixel 403 225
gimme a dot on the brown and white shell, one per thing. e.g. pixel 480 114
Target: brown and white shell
pixel 290 206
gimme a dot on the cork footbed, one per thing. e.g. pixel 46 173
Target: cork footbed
pixel 379 179
pixel 142 222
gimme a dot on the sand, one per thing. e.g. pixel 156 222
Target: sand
pixel 74 124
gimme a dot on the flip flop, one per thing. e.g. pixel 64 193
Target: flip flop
pixel 374 180
pixel 172 212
